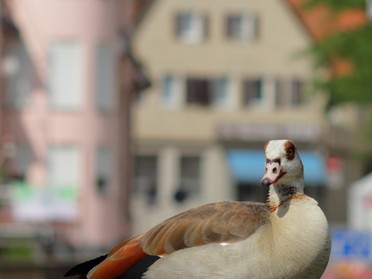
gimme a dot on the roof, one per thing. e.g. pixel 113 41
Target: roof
pixel 320 21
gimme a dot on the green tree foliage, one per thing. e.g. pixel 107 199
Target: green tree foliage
pixel 339 4
pixel 354 46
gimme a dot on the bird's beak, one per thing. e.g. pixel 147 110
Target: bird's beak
pixel 273 172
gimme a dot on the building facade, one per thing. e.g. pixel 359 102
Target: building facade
pixel 227 76
pixel 63 141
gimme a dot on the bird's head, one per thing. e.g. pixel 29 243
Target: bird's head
pixel 283 165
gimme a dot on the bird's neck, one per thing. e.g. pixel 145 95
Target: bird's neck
pixel 280 193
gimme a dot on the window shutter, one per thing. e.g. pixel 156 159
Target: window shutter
pixel 205 23
pixel 256 27
pixel 105 77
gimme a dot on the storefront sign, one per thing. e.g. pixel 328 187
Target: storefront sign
pixel 36 204
pixel 258 132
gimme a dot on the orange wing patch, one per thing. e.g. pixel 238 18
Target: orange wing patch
pixel 119 260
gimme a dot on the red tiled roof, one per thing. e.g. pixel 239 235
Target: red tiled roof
pixel 320 21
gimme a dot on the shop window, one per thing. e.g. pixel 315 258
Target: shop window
pixel 190 176
pixel 146 177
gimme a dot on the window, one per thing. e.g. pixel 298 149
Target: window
pixel 189 176
pixel 103 168
pixel 205 92
pixel 16 161
pixel 191 27
pixel 168 89
pixel 290 92
pixel 242 27
pixel 252 92
pixel 22 158
pixel 146 176
pixel 64 167
pixel 171 93
pixel 64 170
pixel 105 77
pixel 198 91
pixel 279 88
pixel 220 92
pixel 17 73
pixel 296 92
pixel 65 75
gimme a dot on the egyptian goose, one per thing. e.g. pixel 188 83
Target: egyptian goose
pixel 287 237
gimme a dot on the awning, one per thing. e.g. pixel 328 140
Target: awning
pixel 248 166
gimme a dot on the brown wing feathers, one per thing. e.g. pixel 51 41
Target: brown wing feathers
pixel 216 222
pixel 211 223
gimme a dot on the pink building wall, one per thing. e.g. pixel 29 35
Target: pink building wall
pixel 99 221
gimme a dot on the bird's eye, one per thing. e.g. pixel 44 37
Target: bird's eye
pixel 290 154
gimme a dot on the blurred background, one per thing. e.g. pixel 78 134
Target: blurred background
pixel 116 114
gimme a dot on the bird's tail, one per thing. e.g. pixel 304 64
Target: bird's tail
pixel 83 268
pixel 118 260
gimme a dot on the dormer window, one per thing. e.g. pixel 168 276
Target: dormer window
pixel 191 27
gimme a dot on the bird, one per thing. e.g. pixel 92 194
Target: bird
pixel 285 237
